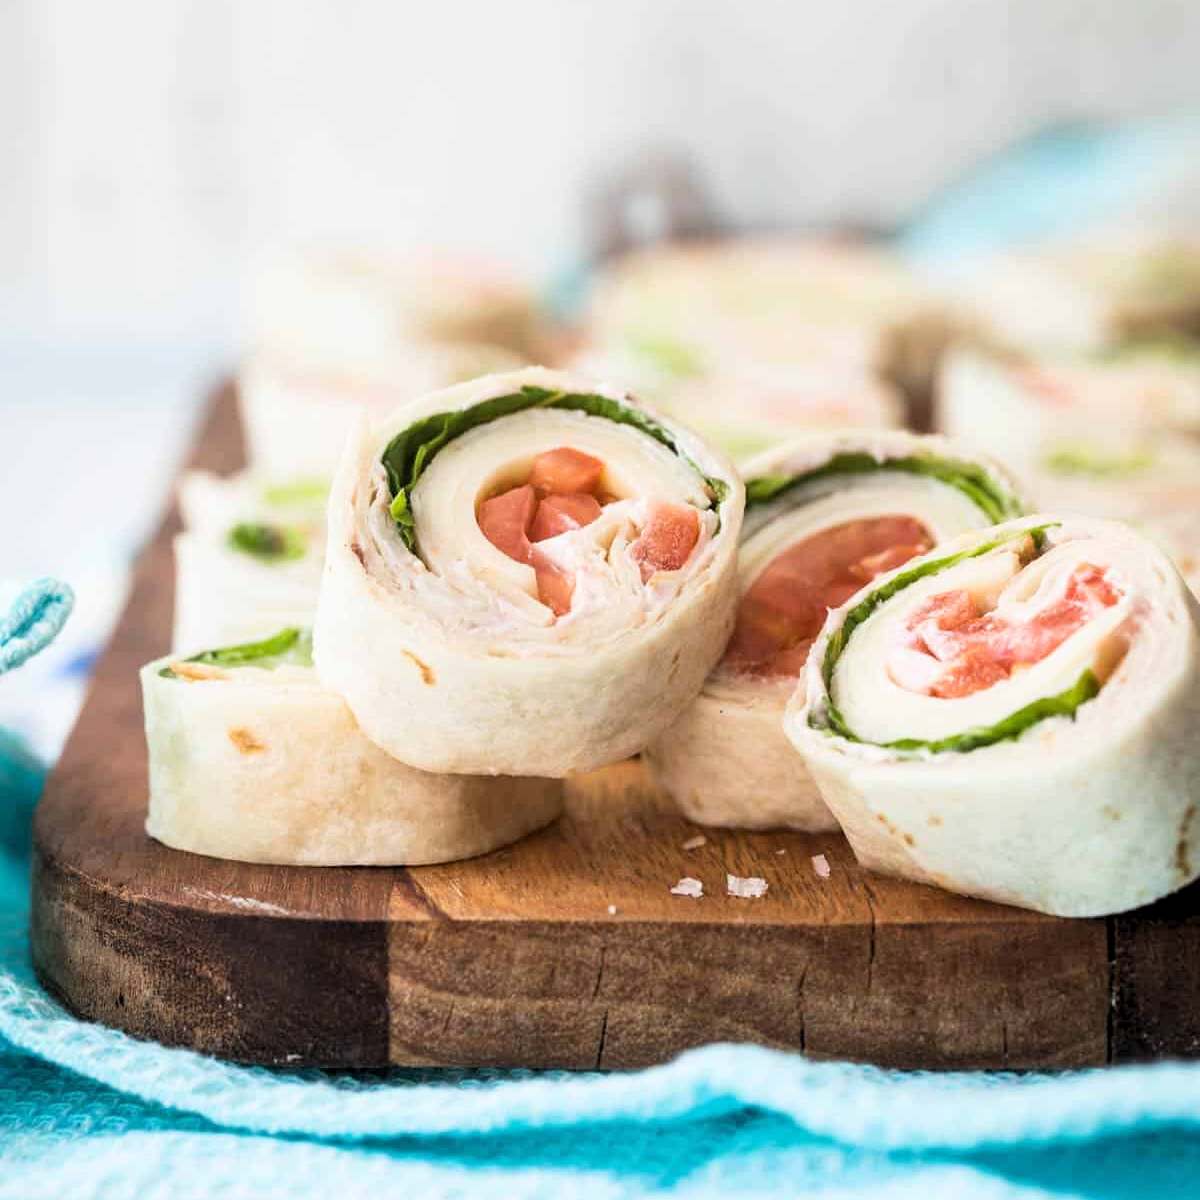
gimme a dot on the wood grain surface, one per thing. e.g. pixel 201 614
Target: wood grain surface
pixel 567 949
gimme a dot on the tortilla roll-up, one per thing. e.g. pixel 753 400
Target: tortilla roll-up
pixel 296 416
pixel 1089 292
pixel 1102 436
pixel 249 559
pixel 528 574
pixel 689 307
pixel 747 407
pixel 824 515
pixel 252 759
pixel 1106 417
pixel 1013 716
pixel 348 307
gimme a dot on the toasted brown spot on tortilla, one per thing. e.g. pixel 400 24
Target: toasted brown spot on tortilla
pixel 934 820
pixel 357 551
pixel 192 670
pixel 427 675
pixel 908 840
pixel 245 741
pixel 1182 863
pixel 887 824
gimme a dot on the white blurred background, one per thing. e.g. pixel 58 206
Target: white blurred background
pixel 149 146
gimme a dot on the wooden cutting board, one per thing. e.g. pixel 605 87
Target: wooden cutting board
pixel 566 950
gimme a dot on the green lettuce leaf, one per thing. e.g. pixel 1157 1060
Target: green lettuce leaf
pixel 1082 459
pixel 295 492
pixel 671 357
pixel 291 646
pixel 268 543
pixel 1064 704
pixel 974 481
pixel 1167 345
pixel 411 451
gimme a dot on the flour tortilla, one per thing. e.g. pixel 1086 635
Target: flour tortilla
pixel 1079 816
pixel 265 765
pixel 446 657
pixel 726 760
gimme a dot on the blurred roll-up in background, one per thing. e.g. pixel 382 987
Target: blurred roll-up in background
pixel 763 218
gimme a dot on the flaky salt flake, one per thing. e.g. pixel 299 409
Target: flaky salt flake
pixel 821 865
pixel 688 886
pixel 612 910
pixel 745 889
pixel 694 843
pixel 780 851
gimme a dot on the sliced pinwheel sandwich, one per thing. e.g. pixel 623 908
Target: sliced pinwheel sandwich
pixel 352 307
pixel 1090 292
pixel 1105 435
pixel 296 415
pixel 689 308
pixel 824 516
pixel 252 759
pixel 526 574
pixel 1107 416
pixel 1013 716
pixel 249 558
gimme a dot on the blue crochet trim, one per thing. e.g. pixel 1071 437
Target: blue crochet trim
pixel 34 621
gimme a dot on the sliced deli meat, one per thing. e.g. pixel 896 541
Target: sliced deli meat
pixel 252 759
pixel 825 516
pixel 1013 716
pixel 528 574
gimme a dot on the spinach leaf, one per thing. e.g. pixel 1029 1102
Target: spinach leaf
pixel 269 543
pixel 1065 704
pixel 974 481
pixel 291 646
pixel 411 451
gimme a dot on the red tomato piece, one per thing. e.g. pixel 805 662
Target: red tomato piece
pixel 970 673
pixel 564 471
pixel 505 520
pixel 667 539
pixel 978 651
pixel 784 608
pixel 561 514
pixel 888 559
pixel 555 586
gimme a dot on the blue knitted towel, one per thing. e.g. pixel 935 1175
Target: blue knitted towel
pixel 88 1112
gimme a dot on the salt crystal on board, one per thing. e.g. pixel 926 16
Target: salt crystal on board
pixel 688 886
pixel 821 865
pixel 694 843
pixel 745 889
pixel 612 910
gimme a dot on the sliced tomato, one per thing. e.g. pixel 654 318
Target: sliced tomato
pixel 976 651
pixel 888 559
pixel 555 586
pixel 667 539
pixel 564 471
pixel 505 520
pixel 971 672
pixel 561 514
pixel 784 608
